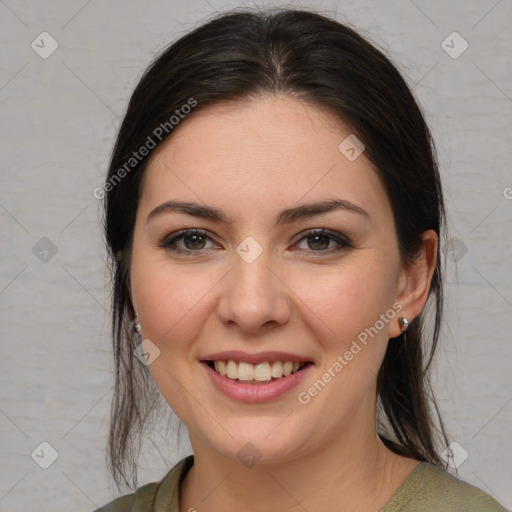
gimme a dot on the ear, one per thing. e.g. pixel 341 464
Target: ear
pixel 414 281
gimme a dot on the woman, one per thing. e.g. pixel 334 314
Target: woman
pixel 274 215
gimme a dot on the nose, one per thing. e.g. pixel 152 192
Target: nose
pixel 254 297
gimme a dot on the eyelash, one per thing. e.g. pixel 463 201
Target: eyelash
pixel 170 243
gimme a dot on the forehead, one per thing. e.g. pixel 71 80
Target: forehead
pixel 247 156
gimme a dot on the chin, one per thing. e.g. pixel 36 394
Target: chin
pixel 250 443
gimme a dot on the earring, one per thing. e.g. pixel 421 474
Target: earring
pixel 138 337
pixel 403 323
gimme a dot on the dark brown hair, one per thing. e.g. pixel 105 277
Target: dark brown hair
pixel 239 55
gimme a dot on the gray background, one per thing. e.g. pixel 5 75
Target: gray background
pixel 59 117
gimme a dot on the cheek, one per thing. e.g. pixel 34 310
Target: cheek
pixel 345 300
pixel 171 301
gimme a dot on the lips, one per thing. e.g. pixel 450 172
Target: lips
pixel 256 377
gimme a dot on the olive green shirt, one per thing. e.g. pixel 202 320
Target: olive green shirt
pixel 427 489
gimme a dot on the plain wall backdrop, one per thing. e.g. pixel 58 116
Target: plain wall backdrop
pixel 60 109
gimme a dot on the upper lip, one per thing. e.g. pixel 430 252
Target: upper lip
pixel 258 357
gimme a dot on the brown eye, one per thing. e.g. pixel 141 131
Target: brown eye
pixel 319 240
pixel 193 240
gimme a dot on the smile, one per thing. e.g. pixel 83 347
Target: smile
pixel 261 382
pixel 261 373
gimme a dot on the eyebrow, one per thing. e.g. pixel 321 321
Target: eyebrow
pixel 285 217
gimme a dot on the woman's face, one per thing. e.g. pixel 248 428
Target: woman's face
pixel 260 283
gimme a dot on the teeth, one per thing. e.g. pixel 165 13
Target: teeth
pixel 220 367
pixel 277 369
pixel 245 371
pixel 261 372
pixel 232 370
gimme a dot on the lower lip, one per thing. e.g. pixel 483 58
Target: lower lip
pixel 255 393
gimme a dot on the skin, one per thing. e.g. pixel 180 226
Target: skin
pixel 253 160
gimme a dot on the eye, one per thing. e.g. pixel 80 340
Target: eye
pixel 193 240
pixel 319 239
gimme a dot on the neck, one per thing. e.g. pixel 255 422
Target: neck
pixel 354 472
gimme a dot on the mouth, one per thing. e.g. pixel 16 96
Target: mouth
pixel 261 373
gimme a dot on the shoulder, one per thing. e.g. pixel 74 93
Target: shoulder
pixel 150 497
pixel 142 500
pixel 430 488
